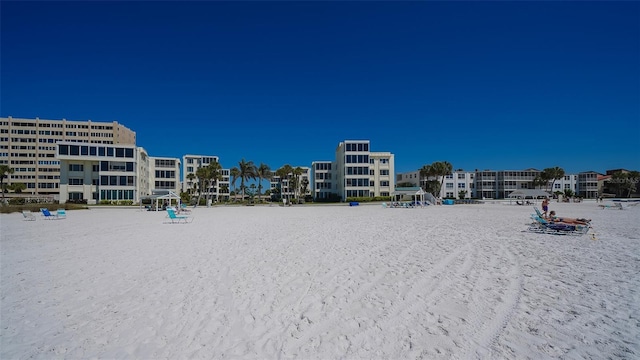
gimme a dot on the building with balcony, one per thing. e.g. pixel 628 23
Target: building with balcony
pixel 218 191
pixel 28 146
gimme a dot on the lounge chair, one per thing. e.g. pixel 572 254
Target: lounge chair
pixel 61 214
pixel 178 218
pixel 184 209
pixel 28 215
pixel 614 206
pixel 48 215
pixel 542 226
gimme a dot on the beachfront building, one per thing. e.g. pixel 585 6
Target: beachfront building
pixel 587 185
pixel 459 184
pixel 409 179
pixel 568 182
pixel 164 174
pixel 219 191
pixel 489 184
pixel 96 172
pixel 359 172
pixel 452 185
pixel 323 186
pixel 292 186
pixel 28 146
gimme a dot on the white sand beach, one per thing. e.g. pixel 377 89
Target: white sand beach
pixel 320 282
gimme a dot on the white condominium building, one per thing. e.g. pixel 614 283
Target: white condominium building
pixel 190 165
pixel 96 172
pixel 164 174
pixel 362 173
pixel 28 147
pixel 293 186
pixel 324 182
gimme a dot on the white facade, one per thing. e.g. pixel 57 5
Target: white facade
pixel 28 146
pixel 381 173
pixel 190 165
pixel 324 181
pixel 356 172
pixel 164 174
pixel 96 172
pixel 287 187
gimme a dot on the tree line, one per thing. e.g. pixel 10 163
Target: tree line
pixel 206 178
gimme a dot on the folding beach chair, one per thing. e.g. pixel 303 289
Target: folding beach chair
pixel 175 219
pixel 28 215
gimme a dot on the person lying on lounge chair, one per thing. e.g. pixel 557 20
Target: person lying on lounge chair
pixel 564 220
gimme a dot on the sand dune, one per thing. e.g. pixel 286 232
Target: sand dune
pixel 320 282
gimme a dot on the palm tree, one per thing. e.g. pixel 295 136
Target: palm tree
pixel 201 173
pixel 632 179
pixel 442 168
pixel 263 172
pixel 235 174
pixel 432 186
pixel 17 187
pixel 552 174
pixel 224 189
pixel 538 181
pixel 247 170
pixel 297 172
pixel 283 173
pixel 435 170
pixel 213 176
pixel 5 170
pixel 191 177
pixel 304 186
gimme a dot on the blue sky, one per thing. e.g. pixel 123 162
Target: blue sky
pixel 483 85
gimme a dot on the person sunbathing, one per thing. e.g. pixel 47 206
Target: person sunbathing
pixel 564 220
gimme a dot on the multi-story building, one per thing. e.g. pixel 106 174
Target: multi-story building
pixel 323 184
pixel 95 172
pixel 409 179
pixel 164 174
pixel 452 185
pixel 292 186
pixel 219 191
pixel 587 185
pixel 356 172
pixel 28 146
pixel 492 184
pixel 381 173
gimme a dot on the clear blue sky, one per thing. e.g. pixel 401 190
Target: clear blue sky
pixel 487 85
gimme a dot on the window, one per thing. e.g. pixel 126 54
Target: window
pixel 76 167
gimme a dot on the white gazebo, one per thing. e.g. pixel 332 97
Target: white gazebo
pixel 416 193
pixel 160 195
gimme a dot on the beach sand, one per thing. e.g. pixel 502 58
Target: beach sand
pixel 320 282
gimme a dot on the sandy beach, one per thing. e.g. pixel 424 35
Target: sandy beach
pixel 320 282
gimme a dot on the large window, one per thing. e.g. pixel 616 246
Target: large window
pixel 73 181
